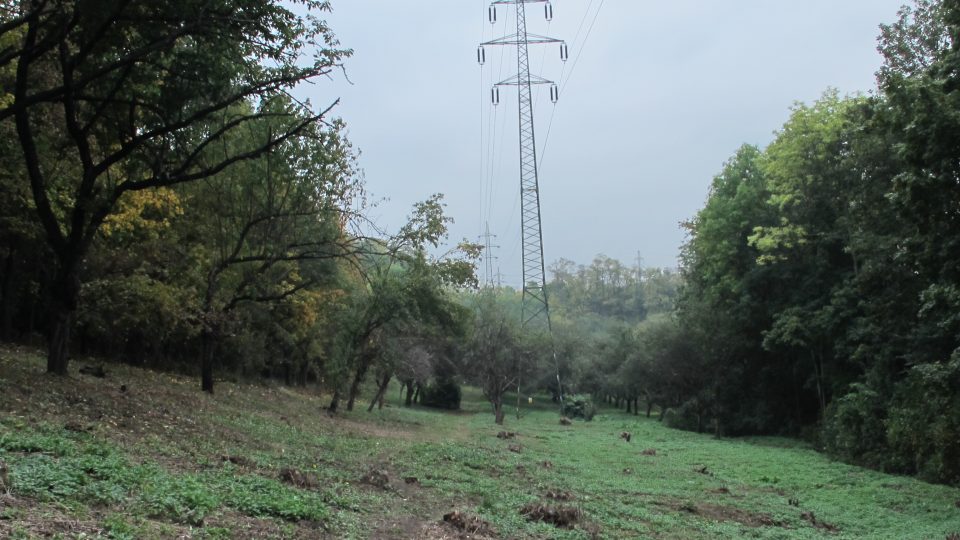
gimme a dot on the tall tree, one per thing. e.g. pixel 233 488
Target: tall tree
pixel 268 228
pixel 114 96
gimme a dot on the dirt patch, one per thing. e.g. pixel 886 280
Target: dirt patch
pixel 563 517
pixel 515 448
pixel 299 479
pixel 719 491
pixel 546 464
pixel 406 432
pixel 377 478
pixel 94 371
pixel 810 518
pixel 242 526
pixel 446 531
pixel 239 461
pixel 506 435
pixel 467 523
pixel 649 452
pixel 704 470
pixel 717 512
pixel 558 495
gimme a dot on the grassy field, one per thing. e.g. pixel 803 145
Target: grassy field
pixel 145 455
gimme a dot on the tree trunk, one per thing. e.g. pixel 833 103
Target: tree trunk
pixel 498 411
pixel 636 406
pixel 409 387
pixel 302 374
pixel 207 341
pixel 416 395
pixel 649 407
pixel 66 293
pixel 629 403
pixel 334 402
pixel 61 320
pixel 381 390
pixel 6 298
pixel 818 373
pixel 355 385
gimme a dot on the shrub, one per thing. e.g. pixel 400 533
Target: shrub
pixel 442 394
pixel 854 430
pixel 579 406
pixel 923 430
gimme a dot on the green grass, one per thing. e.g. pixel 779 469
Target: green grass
pixel 87 461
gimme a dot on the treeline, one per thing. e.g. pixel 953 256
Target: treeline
pixel 164 201
pixel 609 289
pixel 822 277
pixel 591 306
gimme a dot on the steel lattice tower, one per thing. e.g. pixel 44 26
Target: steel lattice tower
pixel 536 308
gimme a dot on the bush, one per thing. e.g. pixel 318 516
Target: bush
pixel 442 394
pixel 688 416
pixel 854 430
pixel 923 429
pixel 579 406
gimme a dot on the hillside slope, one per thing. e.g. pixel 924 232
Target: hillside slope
pixel 139 454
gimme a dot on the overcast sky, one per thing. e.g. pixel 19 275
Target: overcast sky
pixel 655 98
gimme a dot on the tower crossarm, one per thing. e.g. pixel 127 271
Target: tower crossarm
pixel 516 81
pixel 513 39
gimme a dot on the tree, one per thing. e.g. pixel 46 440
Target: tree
pixel 397 288
pixel 268 228
pixel 912 44
pixel 116 96
pixel 495 358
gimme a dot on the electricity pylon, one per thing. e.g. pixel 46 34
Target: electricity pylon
pixel 488 257
pixel 536 308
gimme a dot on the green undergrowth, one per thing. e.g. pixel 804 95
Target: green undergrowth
pixel 673 484
pixel 162 460
pixel 50 464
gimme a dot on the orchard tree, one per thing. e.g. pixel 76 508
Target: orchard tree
pixel 495 357
pixel 117 96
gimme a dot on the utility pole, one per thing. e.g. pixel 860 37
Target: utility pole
pixel 536 310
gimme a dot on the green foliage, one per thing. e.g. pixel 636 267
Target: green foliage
pixel 579 406
pixel 183 499
pixel 117 528
pixel 821 283
pixel 443 393
pixel 265 497
pixel 855 428
pixel 54 467
pixel 43 438
pixel 924 422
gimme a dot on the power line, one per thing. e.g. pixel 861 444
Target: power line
pixel 565 82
